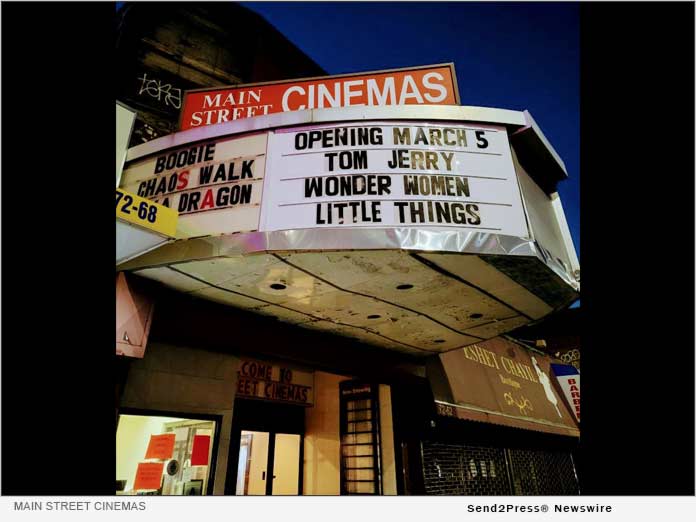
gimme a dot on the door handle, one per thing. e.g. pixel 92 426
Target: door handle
pixel 263 475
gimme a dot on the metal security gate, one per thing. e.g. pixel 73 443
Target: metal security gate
pixel 542 472
pixel 457 469
pixel 464 470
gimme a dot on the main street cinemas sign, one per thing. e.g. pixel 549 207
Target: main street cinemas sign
pixel 426 85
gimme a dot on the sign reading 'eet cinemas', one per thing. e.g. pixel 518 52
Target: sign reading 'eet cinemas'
pixel 261 380
pixel 427 85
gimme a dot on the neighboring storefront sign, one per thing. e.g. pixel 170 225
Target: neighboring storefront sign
pixel 568 379
pixel 145 213
pixel 392 174
pixel 427 85
pixel 133 317
pixel 261 380
pixel 215 187
pixel 502 382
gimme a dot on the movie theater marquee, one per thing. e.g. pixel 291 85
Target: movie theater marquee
pixel 392 174
pixel 380 174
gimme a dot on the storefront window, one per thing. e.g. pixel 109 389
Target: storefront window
pixel 163 455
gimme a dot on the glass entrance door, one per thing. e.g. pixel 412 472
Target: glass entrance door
pixel 253 461
pixel 260 452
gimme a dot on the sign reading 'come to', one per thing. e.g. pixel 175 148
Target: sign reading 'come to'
pixel 261 380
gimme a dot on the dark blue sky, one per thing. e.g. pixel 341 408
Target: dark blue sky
pixel 514 56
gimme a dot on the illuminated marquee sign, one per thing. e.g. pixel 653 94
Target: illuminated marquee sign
pixel 427 85
pixel 215 187
pixel 261 380
pixel 392 174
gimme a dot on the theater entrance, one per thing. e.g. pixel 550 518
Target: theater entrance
pixel 266 450
pixel 268 464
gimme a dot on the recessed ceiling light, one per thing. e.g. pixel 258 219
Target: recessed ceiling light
pixel 374 316
pixel 278 286
pixel 475 316
pixel 439 341
pixel 404 287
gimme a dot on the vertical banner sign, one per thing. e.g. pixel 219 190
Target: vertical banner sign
pixel 392 174
pixel 568 378
pixel 426 85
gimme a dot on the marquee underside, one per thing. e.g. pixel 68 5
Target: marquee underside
pixel 417 229
pixel 414 302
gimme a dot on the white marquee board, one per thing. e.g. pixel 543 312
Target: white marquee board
pixel 215 186
pixel 392 174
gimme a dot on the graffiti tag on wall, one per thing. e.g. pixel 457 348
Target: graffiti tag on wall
pixel 162 92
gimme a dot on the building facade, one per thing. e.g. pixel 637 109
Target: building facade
pixel 328 317
pixel 163 50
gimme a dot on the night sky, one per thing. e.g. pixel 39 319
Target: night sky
pixel 513 56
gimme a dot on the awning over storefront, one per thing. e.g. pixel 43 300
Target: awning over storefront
pixel 500 382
